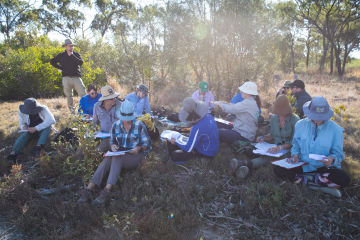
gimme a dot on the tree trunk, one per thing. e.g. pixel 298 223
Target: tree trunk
pixel 332 59
pixel 308 49
pixel 292 55
pixel 338 60
pixel 323 57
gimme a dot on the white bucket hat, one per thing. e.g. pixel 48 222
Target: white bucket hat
pixel 249 88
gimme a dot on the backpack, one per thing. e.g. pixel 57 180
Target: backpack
pixel 67 135
pixel 243 147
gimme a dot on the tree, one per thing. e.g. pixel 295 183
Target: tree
pixel 339 24
pixel 14 13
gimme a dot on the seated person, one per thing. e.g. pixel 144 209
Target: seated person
pixel 126 134
pixel 203 94
pixel 105 114
pixel 282 128
pixel 298 90
pixel 88 101
pixel 317 134
pixel 36 120
pixel 203 137
pixel 285 89
pixel 140 100
pixel 246 115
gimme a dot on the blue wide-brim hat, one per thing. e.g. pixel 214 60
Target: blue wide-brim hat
pixel 30 106
pixel 127 111
pixel 318 109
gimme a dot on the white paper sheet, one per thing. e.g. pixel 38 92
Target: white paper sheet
pixel 317 157
pixel 179 138
pixel 263 147
pixel 102 135
pixel 118 153
pixel 223 121
pixel 285 164
pixel 22 130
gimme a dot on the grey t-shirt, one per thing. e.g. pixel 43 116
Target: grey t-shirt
pixel 105 118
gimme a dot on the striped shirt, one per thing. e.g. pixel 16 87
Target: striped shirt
pixel 137 135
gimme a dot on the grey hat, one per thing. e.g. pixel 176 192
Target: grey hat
pixel 68 42
pixel 143 88
pixel 287 84
pixel 30 106
pixel 318 109
pixel 190 106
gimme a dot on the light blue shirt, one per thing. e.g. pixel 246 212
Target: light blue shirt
pixel 140 103
pixel 326 140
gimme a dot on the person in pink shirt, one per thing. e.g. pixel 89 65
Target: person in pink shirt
pixel 203 94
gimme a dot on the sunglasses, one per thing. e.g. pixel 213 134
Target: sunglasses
pixel 126 114
pixel 93 93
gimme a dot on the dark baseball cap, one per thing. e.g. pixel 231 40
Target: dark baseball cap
pixel 298 83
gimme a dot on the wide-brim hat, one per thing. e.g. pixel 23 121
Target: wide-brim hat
pixel 287 84
pixel 107 93
pixel 249 88
pixel 127 111
pixel 143 88
pixel 282 106
pixel 68 42
pixel 192 107
pixel 318 109
pixel 30 106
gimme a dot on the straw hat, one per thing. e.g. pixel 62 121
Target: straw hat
pixel 107 93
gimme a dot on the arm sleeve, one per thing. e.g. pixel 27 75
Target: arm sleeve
pixel 147 105
pixel 55 62
pixel 233 108
pixel 212 99
pixel 77 58
pixel 193 140
pixel 22 122
pixel 47 121
pixel 95 117
pixel 336 150
pixel 295 149
pixel 82 109
pixel 113 135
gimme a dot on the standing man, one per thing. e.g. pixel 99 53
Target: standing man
pixel 298 90
pixel 69 63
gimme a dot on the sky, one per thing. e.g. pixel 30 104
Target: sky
pixel 90 13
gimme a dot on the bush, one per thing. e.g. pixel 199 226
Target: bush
pixel 28 73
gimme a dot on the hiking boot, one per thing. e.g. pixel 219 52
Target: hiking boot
pixel 36 150
pixel 86 194
pixel 242 172
pixel 102 198
pixel 332 191
pixel 11 158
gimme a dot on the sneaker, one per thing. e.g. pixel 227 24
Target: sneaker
pixel 332 191
pixel 85 196
pixel 36 150
pixel 242 172
pixel 234 163
pixel 102 198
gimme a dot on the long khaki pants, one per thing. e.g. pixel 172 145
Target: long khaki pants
pixel 69 83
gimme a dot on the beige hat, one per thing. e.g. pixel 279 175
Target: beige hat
pixel 107 93
pixel 249 88
pixel 192 111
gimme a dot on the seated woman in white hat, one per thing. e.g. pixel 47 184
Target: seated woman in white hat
pixel 317 134
pixel 128 133
pixel 246 115
pixel 203 137
pixel 35 121
pixel 104 114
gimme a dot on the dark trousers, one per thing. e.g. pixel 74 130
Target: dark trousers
pixel 179 155
pixel 230 136
pixel 336 175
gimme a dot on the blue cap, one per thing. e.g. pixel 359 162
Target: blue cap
pixel 318 109
pixel 126 112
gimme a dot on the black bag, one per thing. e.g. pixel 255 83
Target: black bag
pixel 67 135
pixel 243 147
